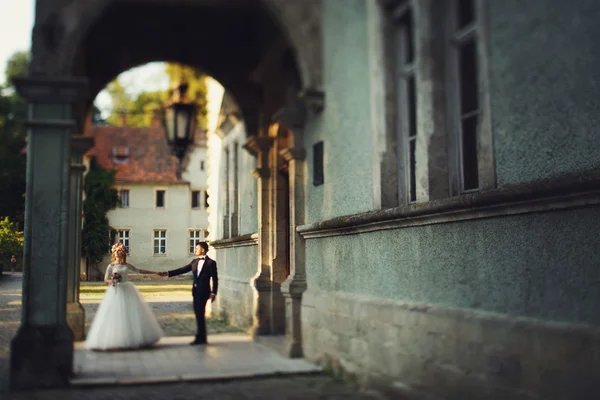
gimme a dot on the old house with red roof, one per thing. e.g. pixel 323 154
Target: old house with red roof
pixel 161 213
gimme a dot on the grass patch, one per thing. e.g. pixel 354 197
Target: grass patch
pixel 94 289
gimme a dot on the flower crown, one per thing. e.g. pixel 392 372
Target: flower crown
pixel 118 248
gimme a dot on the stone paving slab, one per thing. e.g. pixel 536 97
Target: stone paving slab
pixel 142 384
pixel 227 356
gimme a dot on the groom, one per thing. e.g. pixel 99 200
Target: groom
pixel 203 268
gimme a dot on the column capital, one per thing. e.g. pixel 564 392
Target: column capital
pixel 290 154
pixel 258 144
pixel 260 172
pixel 81 143
pixel 314 99
pixel 52 90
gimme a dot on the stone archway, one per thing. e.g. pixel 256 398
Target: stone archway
pixel 76 49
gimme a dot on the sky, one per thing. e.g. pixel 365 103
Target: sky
pixel 16 23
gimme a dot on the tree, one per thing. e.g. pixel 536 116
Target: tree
pixel 17 65
pixel 11 241
pixel 100 197
pixel 139 111
pixel 13 113
pixel 197 87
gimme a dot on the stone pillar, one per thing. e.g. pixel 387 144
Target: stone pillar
pixel 293 116
pixel 261 282
pixel 42 350
pixel 295 284
pixel 75 312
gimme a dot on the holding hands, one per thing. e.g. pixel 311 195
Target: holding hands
pixel 164 273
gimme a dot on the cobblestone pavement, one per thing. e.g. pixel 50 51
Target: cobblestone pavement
pixel 174 319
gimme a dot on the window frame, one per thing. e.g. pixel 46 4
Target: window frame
pixel 198 199
pixel 154 238
pixel 128 238
pixel 192 240
pixel 121 190
pixel 485 164
pixel 156 190
pixel 405 62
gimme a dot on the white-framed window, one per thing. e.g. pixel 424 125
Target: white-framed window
pixel 404 42
pixel 464 101
pixel 124 198
pixel 195 236
pixel 196 199
pixel 160 198
pixel 160 242
pixel 124 236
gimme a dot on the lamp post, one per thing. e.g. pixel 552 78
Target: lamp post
pixel 180 122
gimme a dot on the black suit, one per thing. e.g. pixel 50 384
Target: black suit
pixel 201 290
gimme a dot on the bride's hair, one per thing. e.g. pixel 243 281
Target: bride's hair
pixel 119 253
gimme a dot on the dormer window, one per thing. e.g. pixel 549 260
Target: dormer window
pixel 120 154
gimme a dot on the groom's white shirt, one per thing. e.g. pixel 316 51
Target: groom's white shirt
pixel 200 265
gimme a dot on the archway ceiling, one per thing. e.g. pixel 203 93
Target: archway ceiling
pixel 225 42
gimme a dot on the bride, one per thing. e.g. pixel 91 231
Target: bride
pixel 123 320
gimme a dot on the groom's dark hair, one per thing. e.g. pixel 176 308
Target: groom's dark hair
pixel 204 245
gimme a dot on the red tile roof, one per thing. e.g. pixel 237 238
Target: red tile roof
pixel 149 158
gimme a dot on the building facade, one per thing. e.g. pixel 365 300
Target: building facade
pixel 405 192
pixel 160 215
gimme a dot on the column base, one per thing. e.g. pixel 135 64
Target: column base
pixel 76 320
pixel 41 357
pixel 263 312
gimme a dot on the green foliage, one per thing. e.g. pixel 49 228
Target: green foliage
pixel 17 65
pixel 139 111
pixel 13 113
pixel 11 241
pixel 100 197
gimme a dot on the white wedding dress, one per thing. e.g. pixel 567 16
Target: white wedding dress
pixel 123 320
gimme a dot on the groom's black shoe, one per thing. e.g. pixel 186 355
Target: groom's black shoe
pixel 197 343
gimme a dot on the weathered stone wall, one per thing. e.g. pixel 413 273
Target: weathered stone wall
pixel 237 266
pixel 455 353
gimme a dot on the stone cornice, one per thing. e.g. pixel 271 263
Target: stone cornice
pixel 543 196
pixel 51 123
pixel 52 90
pixel 250 239
pixel 290 154
pixel 258 144
pixel 82 144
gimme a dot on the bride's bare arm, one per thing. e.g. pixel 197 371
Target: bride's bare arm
pixel 142 271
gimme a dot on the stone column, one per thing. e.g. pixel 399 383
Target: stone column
pixel 295 284
pixel 75 312
pixel 293 116
pixel 42 350
pixel 261 282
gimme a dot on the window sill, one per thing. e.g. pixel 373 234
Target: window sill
pixel 159 255
pixel 566 192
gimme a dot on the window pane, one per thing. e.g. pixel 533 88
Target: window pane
pixel 469 153
pixel 408 37
pixel 468 76
pixel 163 234
pixel 412 107
pixel 160 198
pixel 412 170
pixel 195 199
pixel 465 13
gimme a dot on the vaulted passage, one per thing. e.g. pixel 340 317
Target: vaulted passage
pixel 262 52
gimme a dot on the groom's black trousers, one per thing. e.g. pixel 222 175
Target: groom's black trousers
pixel 199 310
